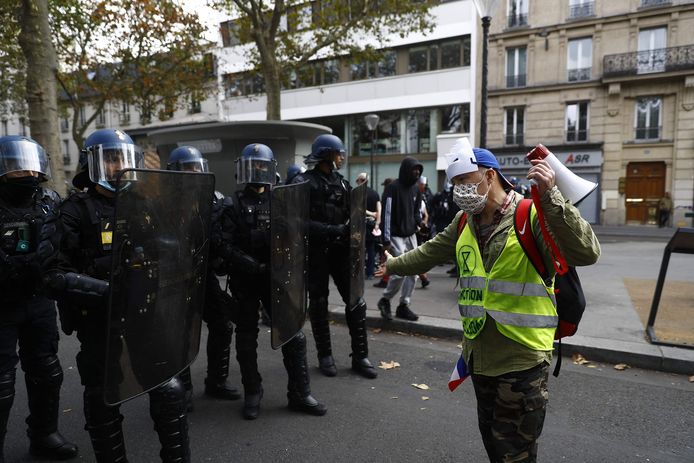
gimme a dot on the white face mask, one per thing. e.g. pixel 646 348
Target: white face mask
pixel 468 200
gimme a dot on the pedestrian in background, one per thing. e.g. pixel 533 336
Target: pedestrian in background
pixel 401 217
pixel 664 210
pixel 373 224
pixel 383 282
pixel 509 314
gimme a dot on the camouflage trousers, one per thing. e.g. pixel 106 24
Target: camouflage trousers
pixel 511 412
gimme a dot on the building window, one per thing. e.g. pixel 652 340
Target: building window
pixel 64 124
pixel 125 113
pixel 66 152
pixel 649 3
pixel 652 52
pixel 243 84
pixel 581 8
pixel 418 131
pixel 515 122
pixel 194 106
pixel 387 135
pixel 647 120
pixel 370 69
pixel 516 67
pixel 577 122
pixel 440 55
pixel 455 53
pixel 101 118
pixel 5 130
pixel 517 13
pixel 82 116
pixel 230 33
pixel 22 127
pixel 579 59
pixel 455 119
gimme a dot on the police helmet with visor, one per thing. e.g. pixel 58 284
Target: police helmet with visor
pixel 22 154
pixel 256 165
pixel 109 151
pixel 187 158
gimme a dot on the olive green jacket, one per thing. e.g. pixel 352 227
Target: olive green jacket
pixel 491 353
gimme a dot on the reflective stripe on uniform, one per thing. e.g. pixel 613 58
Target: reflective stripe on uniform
pixel 524 319
pixel 473 282
pixel 513 288
pixel 471 311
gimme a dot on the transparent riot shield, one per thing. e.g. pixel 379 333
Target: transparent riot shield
pixel 160 248
pixel 357 231
pixel 288 260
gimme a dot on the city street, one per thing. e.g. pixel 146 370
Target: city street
pixel 595 414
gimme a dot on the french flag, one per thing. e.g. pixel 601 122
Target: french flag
pixel 460 373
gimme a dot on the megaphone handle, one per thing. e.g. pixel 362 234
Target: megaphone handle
pixel 558 260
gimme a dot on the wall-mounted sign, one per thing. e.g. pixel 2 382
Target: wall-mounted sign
pixel 571 159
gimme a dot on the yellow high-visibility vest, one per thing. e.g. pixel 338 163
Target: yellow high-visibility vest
pixel 513 293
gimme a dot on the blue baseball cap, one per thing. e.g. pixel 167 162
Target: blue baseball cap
pixel 485 158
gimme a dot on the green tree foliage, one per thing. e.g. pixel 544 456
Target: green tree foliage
pixel 287 34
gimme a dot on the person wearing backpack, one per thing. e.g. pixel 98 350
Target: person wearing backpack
pixel 508 312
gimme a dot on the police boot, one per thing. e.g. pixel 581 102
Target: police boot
pixel 187 382
pixel 218 351
pixel 43 380
pixel 321 333
pixel 6 400
pixel 356 321
pixel 167 407
pixel 247 356
pixel 298 386
pixel 104 427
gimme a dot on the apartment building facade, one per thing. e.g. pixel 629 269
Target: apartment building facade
pixel 421 88
pixel 608 86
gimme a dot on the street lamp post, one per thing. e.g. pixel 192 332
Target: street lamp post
pixel 485 8
pixel 372 123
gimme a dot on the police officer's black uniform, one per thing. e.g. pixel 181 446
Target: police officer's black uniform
pixel 29 243
pixel 87 219
pixel 242 239
pixel 329 256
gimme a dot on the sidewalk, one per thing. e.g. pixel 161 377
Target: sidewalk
pixel 610 331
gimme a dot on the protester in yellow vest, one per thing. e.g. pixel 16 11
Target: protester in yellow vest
pixel 508 312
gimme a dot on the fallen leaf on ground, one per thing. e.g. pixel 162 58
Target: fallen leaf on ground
pixel 591 366
pixel 423 408
pixel 423 387
pixel 388 365
pixel 394 397
pixel 691 379
pixel 425 397
pixel 377 330
pixel 401 333
pixel 67 410
pixel 621 366
pixel 578 359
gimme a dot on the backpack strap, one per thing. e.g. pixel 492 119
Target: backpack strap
pixel 461 223
pixel 522 224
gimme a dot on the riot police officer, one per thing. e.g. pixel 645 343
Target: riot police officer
pixel 218 303
pixel 87 218
pixel 243 240
pixel 29 244
pixel 329 254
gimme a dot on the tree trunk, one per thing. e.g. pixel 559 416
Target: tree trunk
pixel 41 93
pixel 273 89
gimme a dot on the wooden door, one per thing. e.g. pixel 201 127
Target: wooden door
pixel 644 187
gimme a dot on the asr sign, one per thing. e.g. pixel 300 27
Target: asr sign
pixel 570 159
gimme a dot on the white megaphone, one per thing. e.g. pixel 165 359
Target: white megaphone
pixel 572 187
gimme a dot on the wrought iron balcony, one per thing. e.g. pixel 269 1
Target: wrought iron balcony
pixel 515 81
pixel 514 139
pixel 650 3
pixel 649 61
pixel 577 135
pixel 647 133
pixel 577 75
pixel 582 10
pixel 517 20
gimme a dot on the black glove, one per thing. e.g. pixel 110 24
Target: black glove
pixel 338 231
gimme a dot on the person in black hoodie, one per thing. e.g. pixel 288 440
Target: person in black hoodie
pixel 401 219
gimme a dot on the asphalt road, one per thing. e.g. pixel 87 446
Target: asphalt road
pixel 595 414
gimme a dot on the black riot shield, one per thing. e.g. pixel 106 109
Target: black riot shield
pixel 288 260
pixel 357 231
pixel 160 248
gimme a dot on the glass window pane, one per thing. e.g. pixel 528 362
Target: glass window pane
pixel 358 71
pixel 418 59
pixel 386 65
pixel 466 50
pixel 433 57
pixel 331 72
pixel 450 54
pixel 521 62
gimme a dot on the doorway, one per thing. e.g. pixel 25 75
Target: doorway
pixel 645 186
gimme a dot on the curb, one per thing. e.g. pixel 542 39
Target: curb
pixel 639 355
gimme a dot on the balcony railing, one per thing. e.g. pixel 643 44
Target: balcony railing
pixel 650 3
pixel 577 135
pixel 648 61
pixel 517 20
pixel 577 75
pixel 66 159
pixel 514 139
pixel 515 81
pixel 647 133
pixel 582 10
